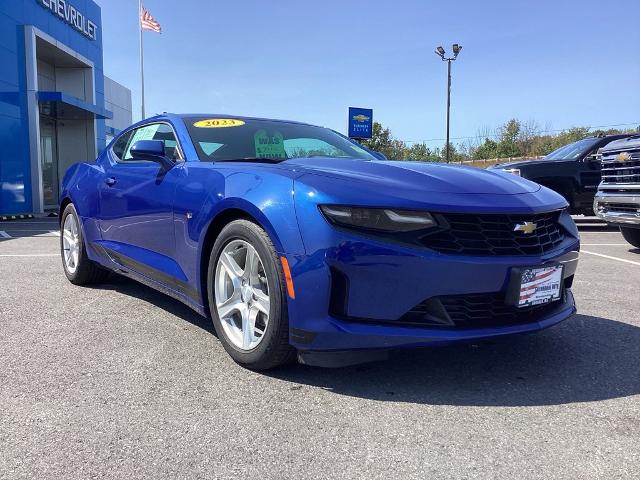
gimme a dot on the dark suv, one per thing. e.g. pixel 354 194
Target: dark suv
pixel 573 171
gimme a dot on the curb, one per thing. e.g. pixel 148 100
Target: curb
pixel 5 218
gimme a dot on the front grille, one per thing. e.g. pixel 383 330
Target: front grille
pixel 622 207
pixel 619 173
pixel 487 310
pixel 493 234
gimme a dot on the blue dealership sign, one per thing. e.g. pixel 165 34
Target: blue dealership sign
pixel 360 122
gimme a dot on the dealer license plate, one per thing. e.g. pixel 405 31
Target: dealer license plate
pixel 540 285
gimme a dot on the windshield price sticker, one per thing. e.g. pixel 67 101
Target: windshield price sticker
pixel 218 123
pixel 148 132
pixel 269 146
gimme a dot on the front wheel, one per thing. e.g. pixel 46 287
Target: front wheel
pixel 631 235
pixel 247 297
pixel 78 268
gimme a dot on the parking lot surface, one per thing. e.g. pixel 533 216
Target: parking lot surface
pixel 118 381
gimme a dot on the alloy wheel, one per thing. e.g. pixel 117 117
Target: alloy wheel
pixel 242 294
pixel 70 243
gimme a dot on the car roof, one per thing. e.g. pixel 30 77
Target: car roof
pixel 186 116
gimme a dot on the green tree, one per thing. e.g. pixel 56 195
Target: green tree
pixel 508 145
pixel 382 141
pixel 420 151
pixel 488 149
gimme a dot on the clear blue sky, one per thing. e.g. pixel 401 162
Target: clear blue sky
pixel 561 63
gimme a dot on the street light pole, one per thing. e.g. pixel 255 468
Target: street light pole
pixel 441 53
pixel 448 108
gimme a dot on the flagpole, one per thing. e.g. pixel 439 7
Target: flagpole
pixel 141 55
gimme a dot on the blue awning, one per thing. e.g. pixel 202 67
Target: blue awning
pixel 64 105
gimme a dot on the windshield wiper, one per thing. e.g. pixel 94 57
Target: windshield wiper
pixel 323 156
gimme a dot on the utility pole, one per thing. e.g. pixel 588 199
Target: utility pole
pixel 441 53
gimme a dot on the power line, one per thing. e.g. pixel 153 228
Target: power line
pixel 497 135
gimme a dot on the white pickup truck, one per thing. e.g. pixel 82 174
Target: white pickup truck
pixel 618 198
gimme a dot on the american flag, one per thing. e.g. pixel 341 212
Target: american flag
pixel 147 22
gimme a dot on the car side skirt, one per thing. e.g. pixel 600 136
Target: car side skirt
pixel 150 277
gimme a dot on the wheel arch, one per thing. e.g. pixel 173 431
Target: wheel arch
pixel 64 202
pixel 218 222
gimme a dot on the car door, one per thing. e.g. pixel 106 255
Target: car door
pixel 589 171
pixel 136 204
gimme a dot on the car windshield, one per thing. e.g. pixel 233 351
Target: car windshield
pixel 233 139
pixel 574 150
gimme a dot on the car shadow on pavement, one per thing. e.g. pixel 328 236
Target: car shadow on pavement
pixel 134 289
pixel 582 360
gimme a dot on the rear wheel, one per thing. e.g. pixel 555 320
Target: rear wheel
pixel 78 268
pixel 246 293
pixel 631 235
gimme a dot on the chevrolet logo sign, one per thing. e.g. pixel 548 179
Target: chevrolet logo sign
pixel 361 118
pixel 623 157
pixel 527 227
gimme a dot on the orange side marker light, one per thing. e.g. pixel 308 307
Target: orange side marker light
pixel 287 277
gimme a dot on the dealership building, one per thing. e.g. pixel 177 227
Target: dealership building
pixel 57 107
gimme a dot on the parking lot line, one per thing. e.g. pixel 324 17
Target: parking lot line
pixel 603 244
pixel 30 255
pixel 611 258
pixel 4 234
pixel 31 230
pixel 27 223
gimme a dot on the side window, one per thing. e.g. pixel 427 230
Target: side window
pixel 165 133
pixel 120 145
pixel 155 131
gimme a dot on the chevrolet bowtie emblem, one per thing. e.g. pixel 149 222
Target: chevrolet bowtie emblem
pixel 526 227
pixel 361 118
pixel 623 157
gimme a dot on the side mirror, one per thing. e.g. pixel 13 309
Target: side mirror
pixel 595 156
pixel 152 150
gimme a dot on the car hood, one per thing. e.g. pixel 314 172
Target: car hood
pixel 630 143
pixel 414 175
pixel 522 163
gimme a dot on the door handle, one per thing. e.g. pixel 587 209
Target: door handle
pixel 111 181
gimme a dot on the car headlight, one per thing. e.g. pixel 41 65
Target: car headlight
pixel 568 224
pixel 513 171
pixel 378 219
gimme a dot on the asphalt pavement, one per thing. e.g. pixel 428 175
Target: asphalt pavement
pixel 118 381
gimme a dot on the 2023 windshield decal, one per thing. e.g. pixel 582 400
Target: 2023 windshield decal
pixel 219 123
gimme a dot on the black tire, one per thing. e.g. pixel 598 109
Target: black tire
pixel 631 235
pixel 87 271
pixel 274 349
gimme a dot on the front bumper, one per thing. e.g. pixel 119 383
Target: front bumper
pixel 387 281
pixel 341 336
pixel 618 208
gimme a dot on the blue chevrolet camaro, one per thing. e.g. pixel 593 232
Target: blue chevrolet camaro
pixel 297 240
